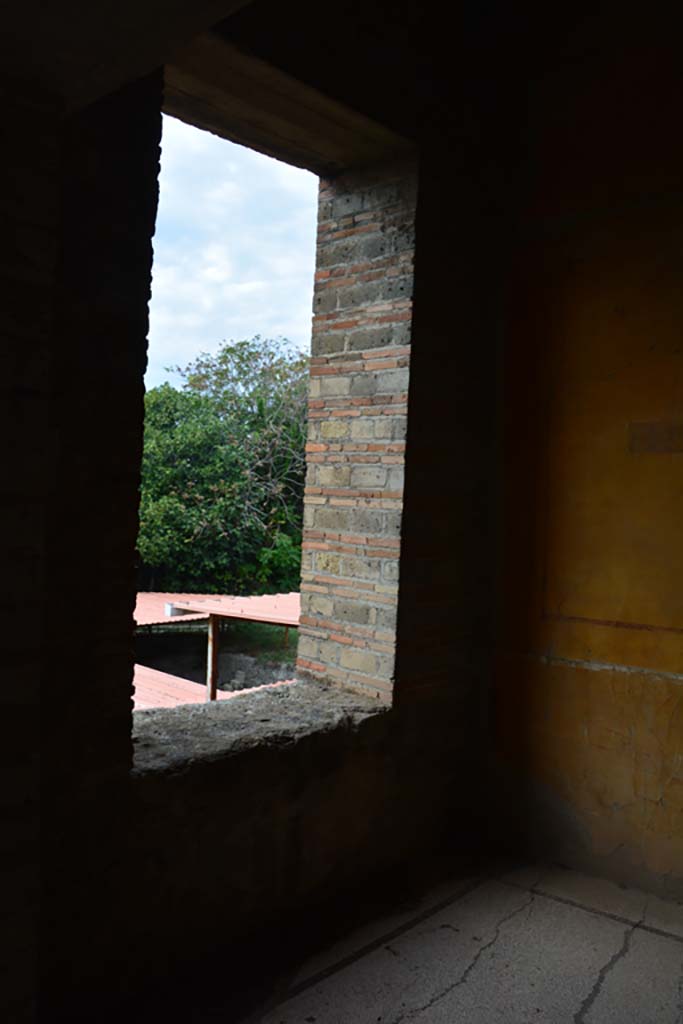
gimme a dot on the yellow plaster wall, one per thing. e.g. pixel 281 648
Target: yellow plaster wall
pixel 589 694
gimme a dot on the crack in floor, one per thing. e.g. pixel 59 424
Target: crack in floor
pixel 462 980
pixel 405 1015
pixel 289 991
pixel 580 1015
pixel 597 912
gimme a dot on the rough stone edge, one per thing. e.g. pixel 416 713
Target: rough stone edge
pixel 170 739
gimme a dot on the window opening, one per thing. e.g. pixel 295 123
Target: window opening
pixel 227 380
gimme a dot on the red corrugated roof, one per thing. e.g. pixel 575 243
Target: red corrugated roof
pixel 280 609
pixel 150 607
pixel 154 689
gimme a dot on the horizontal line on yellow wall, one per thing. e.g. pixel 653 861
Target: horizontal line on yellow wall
pixel 613 623
pixel 604 666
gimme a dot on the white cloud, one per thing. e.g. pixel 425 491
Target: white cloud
pixel 226 194
pixel 234 250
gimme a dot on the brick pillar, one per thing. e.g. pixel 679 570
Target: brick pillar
pixel 357 427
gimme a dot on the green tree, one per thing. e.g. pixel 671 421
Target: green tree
pixel 223 472
pixel 260 388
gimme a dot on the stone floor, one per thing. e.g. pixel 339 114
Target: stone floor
pixel 532 945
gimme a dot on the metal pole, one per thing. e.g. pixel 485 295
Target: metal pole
pixel 212 658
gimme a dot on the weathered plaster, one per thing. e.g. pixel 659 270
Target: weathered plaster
pixel 589 706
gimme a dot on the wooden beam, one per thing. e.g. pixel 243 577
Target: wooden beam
pixel 215 86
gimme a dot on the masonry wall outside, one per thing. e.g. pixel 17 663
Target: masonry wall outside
pixel 357 427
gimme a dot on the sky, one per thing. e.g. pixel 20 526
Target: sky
pixel 234 249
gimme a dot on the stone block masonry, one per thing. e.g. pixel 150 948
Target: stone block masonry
pixel 362 316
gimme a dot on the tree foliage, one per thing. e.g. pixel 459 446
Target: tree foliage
pixel 223 472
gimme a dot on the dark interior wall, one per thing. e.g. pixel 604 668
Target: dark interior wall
pixel 448 554
pixel 314 45
pixel 29 215
pixel 416 69
pixel 79 199
pixel 110 161
pixel 108 176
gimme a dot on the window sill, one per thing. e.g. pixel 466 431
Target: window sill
pixel 170 739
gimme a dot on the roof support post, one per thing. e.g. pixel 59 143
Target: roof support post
pixel 212 658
